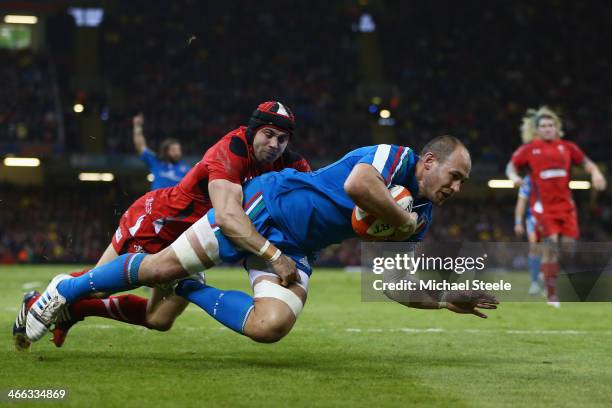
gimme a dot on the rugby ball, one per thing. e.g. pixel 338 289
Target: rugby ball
pixel 368 227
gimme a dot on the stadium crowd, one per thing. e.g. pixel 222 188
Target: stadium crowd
pixel 474 71
pixel 199 74
pixel 196 70
pixel 28 113
pixel 41 226
pixel 196 75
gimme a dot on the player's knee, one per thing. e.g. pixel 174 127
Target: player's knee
pixel 274 313
pixel 160 325
pixel 271 326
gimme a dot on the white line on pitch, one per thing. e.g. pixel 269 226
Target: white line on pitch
pixel 31 285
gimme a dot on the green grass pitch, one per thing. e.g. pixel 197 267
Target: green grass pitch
pixel 342 352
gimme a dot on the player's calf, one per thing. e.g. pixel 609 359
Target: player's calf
pixel 162 317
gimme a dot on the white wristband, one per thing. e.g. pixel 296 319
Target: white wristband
pixel 276 255
pixel 264 248
pixel 405 227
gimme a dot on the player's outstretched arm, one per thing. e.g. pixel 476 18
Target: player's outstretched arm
pixel 366 187
pixel 597 178
pixel 140 143
pixel 519 215
pixel 463 302
pixel 513 175
pixel 226 198
pixel 468 302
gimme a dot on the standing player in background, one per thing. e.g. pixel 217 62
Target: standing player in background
pixel 523 210
pixel 548 160
pixel 524 214
pixel 156 219
pixel 167 169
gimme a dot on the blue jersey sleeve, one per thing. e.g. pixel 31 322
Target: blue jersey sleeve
pixel 525 190
pixel 424 212
pixel 393 162
pixel 150 159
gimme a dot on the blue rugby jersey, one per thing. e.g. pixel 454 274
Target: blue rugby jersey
pixel 314 210
pixel 165 174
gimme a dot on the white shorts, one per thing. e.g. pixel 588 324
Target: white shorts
pixel 257 267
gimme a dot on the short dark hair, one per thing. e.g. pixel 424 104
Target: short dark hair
pixel 442 147
pixel 164 146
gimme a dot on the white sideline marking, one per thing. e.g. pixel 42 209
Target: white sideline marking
pixel 11 309
pixel 31 285
pixel 409 330
pixel 102 326
pixel 546 332
pixel 472 331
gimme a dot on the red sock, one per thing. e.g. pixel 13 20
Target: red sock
pixel 550 270
pixel 81 272
pixel 124 308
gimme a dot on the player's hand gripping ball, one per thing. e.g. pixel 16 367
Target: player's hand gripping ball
pixel 370 228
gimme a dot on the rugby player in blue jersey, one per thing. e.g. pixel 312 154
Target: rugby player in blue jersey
pixel 523 210
pixel 167 169
pixel 297 215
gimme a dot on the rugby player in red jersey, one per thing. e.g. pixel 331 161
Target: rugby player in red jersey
pixel 156 219
pixel 548 160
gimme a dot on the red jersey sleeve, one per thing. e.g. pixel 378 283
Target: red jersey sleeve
pixel 576 153
pixel 293 160
pixel 301 165
pixel 227 160
pixel 520 157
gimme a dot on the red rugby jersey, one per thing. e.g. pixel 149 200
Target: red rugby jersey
pixel 549 165
pixel 232 159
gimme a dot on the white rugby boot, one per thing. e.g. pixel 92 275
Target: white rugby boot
pixel 44 311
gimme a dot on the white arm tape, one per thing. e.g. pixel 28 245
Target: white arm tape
pixel 264 248
pixel 268 289
pixel 186 255
pixel 276 255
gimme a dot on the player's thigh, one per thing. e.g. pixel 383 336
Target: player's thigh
pixel 162 267
pixel 570 228
pixel 195 250
pixel 108 255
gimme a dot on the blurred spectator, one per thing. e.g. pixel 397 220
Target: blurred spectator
pixel 472 68
pixel 27 109
pixel 39 225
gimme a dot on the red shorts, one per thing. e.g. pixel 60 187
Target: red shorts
pixel 562 223
pixel 155 220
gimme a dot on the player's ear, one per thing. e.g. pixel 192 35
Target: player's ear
pixel 429 159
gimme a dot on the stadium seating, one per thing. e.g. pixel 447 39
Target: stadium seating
pixel 471 72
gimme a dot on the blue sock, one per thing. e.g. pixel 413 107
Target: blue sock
pixel 534 267
pixel 118 275
pixel 229 307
